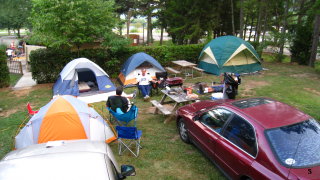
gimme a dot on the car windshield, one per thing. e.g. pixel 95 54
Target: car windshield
pixel 297 145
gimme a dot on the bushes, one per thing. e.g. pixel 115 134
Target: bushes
pixel 4 71
pixel 317 66
pixel 46 64
pixel 301 45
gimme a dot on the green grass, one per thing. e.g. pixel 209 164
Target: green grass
pixel 166 43
pixel 14 78
pixel 164 155
pixel 14 111
pixel 268 57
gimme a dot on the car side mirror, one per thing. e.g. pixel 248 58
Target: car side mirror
pixel 127 170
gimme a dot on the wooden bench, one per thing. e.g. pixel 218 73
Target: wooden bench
pixel 173 71
pixel 160 107
pixel 198 69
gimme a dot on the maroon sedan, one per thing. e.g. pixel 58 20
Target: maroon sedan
pixel 257 138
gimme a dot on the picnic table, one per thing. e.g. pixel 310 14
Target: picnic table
pixel 185 65
pixel 175 99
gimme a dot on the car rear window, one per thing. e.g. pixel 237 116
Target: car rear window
pixel 251 102
pixel 297 145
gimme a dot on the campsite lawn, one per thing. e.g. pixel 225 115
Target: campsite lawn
pixel 164 155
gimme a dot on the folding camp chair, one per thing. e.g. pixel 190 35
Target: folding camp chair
pixel 30 111
pixel 125 118
pixel 128 136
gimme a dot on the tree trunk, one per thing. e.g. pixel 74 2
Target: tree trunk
pixel 232 18
pixel 120 29
pixel 241 19
pixel 258 28
pixel 143 33
pixel 264 26
pixel 128 23
pixel 315 40
pixel 148 29
pixel 9 32
pixel 161 35
pixel 284 27
pixel 251 27
pixel 245 28
pixel 18 32
pixel 151 33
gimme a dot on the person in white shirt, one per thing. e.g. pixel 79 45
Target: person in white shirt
pixel 9 53
pixel 143 80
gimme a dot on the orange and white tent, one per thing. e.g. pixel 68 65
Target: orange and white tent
pixel 64 118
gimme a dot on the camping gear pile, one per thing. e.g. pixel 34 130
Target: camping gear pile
pixel 228 89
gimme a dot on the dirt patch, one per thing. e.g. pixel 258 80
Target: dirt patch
pixel 175 138
pixel 27 90
pixel 249 85
pixel 305 75
pixel 312 91
pixel 150 110
pixel 273 74
pixel 21 92
pixel 4 89
pixel 8 112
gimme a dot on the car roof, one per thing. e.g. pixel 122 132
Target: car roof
pixel 268 112
pixel 81 159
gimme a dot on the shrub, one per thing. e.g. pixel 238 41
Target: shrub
pixel 301 45
pixel 134 31
pixel 317 66
pixel 4 71
pixel 46 64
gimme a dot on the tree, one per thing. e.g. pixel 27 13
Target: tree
pixel 71 22
pixel 232 18
pixel 14 14
pixel 127 8
pixel 187 20
pixel 241 19
pixel 315 41
pixel 284 28
pixel 315 36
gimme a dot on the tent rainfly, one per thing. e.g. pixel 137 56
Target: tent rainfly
pixel 130 69
pixel 229 54
pixel 64 118
pixel 82 70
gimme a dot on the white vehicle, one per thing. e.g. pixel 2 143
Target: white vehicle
pixel 63 160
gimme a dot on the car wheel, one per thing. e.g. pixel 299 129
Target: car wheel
pixel 183 131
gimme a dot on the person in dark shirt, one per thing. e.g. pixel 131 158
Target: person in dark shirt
pixel 118 101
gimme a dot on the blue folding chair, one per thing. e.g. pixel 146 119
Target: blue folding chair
pixel 128 136
pixel 123 119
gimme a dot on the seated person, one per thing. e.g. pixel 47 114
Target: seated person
pixel 144 80
pixel 209 89
pixel 118 103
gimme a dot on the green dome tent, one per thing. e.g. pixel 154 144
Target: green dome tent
pixel 229 54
